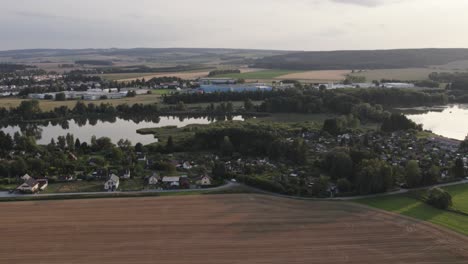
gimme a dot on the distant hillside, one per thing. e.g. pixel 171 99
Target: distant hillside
pixel 143 55
pixel 362 59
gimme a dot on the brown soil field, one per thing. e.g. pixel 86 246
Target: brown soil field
pixel 182 75
pixel 332 75
pixel 218 229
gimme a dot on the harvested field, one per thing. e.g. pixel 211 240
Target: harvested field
pixel 148 76
pixel 241 228
pixel 337 75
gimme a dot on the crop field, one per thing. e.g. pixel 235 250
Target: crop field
pixel 128 77
pixel 47 105
pixel 218 229
pixel 409 74
pixel 257 75
pixel 337 75
pixel 408 205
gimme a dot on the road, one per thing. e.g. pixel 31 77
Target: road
pixel 350 198
pixel 226 186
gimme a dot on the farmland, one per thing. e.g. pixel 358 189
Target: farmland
pixel 237 228
pixel 261 75
pixel 409 205
pixel 331 75
pixel 47 105
pixel 408 74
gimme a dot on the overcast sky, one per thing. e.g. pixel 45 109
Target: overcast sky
pixel 260 24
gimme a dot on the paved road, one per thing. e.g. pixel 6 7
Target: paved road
pixel 226 186
pixel 356 197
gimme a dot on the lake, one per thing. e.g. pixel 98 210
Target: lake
pixel 115 129
pixel 448 121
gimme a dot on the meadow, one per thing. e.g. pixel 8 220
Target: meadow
pixel 410 205
pixel 408 74
pixel 47 105
pixel 261 75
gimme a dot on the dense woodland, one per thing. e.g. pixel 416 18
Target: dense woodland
pixel 365 59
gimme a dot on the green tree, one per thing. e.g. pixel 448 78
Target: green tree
pixel 19 167
pixel 170 145
pixel 60 97
pixel 374 176
pixel 458 169
pixel 248 105
pixel 413 174
pixel 340 164
pixel 439 198
pixel 344 185
pixel 226 146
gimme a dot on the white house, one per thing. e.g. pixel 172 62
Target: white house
pixel 171 181
pixel 126 174
pixel 204 181
pixel 112 184
pixel 154 179
pixel 186 165
pixel 29 186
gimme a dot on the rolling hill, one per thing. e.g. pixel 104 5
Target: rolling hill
pixel 362 59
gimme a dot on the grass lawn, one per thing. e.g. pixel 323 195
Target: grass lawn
pixel 409 74
pixel 235 104
pixel 78 186
pixel 47 105
pixel 131 185
pixel 297 118
pixel 7 187
pixel 459 196
pixel 407 205
pixel 267 74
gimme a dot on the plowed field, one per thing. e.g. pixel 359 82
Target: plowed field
pixel 218 229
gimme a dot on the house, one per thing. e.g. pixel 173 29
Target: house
pixel 184 182
pixel 126 174
pixel 171 181
pixel 112 184
pixel 204 181
pixel 26 177
pixel 29 186
pixel 43 183
pixel 154 179
pixel 72 156
pixel 186 165
pixel 141 156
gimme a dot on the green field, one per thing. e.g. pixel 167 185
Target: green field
pixel 47 105
pixel 78 186
pixel 409 205
pixel 409 74
pixel 263 75
pixel 120 76
pixel 297 118
pixel 459 197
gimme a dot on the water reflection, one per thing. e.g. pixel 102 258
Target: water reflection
pixel 115 128
pixel 449 121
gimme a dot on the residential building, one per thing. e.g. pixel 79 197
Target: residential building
pixel 112 184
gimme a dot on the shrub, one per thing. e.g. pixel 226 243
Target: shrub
pixel 439 198
pixel 344 185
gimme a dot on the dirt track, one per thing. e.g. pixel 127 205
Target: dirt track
pixel 244 228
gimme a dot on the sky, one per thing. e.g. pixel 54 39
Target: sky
pixel 251 24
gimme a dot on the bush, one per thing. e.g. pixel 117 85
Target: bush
pixel 439 198
pixel 344 185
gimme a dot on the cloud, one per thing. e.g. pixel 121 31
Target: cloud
pixel 367 3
